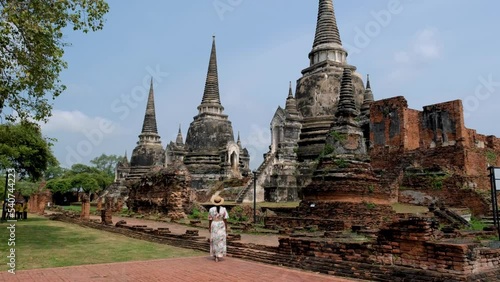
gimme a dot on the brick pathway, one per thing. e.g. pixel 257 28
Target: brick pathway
pixel 199 269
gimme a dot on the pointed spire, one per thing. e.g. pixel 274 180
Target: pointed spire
pixel 327 45
pixel 326 28
pixel 347 105
pixel 179 140
pixel 239 141
pixel 211 93
pixel 123 162
pixel 367 98
pixel 291 104
pixel 149 124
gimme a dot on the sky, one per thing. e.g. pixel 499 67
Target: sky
pixel 427 51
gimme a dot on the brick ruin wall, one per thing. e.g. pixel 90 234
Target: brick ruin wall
pixel 334 216
pixel 166 193
pixel 410 249
pixel 38 201
pixel 406 250
pixel 434 150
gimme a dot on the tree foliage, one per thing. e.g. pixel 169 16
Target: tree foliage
pixel 31 50
pixel 53 171
pixel 23 148
pixel 106 163
pixel 80 176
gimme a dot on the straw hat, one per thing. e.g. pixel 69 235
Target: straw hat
pixel 217 200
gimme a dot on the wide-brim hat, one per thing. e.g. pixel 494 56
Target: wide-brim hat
pixel 217 200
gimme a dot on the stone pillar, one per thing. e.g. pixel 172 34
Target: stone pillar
pixel 99 204
pixel 85 213
pixel 33 203
pixel 118 206
pixel 43 199
pixel 107 212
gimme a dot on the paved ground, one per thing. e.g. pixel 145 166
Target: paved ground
pixel 199 269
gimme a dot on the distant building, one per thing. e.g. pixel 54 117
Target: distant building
pixel 210 152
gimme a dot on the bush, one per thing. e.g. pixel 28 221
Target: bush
pixel 197 214
pixel 238 214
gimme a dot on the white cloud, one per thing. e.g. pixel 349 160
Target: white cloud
pixel 76 121
pixel 424 48
pixel 402 57
pixel 427 44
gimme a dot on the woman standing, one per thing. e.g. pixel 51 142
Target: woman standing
pixel 217 226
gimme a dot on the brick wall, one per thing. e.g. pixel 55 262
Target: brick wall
pixel 409 249
pixel 335 215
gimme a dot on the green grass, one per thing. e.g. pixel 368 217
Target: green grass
pixel 42 243
pixel 476 224
pixel 78 208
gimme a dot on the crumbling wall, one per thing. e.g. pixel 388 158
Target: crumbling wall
pixel 38 201
pixel 443 125
pixel 166 192
pixel 408 249
pixel 434 151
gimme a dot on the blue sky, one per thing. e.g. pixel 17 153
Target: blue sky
pixel 428 51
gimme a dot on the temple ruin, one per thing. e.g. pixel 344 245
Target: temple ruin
pixel 210 152
pixel 412 156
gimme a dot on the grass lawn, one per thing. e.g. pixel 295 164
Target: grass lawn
pixel 42 243
pixel 78 208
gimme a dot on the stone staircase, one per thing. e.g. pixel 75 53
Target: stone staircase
pixel 267 162
pixel 488 219
pixel 138 172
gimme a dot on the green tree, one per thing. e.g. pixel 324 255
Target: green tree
pixel 89 179
pixel 31 50
pixel 106 163
pixel 54 171
pixel 23 148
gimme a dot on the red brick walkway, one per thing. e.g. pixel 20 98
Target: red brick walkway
pixel 199 269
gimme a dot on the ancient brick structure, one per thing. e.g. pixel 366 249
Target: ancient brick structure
pixel 438 158
pixel 149 152
pixel 318 89
pixel 316 99
pixel 408 249
pixel 281 185
pixel 119 189
pixel 38 201
pixel 414 156
pixel 176 151
pixel 210 152
pixel 107 211
pixel 85 212
pixel 166 192
pixel 344 186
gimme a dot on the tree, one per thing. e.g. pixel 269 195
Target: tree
pixel 53 171
pixel 106 163
pixel 23 148
pixel 31 51
pixel 89 179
